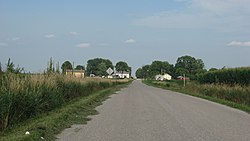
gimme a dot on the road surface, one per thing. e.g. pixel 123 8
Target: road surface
pixel 144 113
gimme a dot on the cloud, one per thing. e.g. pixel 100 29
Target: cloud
pixel 226 15
pixel 173 19
pixel 16 39
pixel 74 33
pixel 50 36
pixel 3 44
pixel 222 6
pixel 83 45
pixel 130 41
pixel 239 43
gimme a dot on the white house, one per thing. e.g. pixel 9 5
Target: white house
pixel 163 77
pixel 121 75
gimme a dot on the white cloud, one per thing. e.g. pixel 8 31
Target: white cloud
pixel 74 33
pixel 130 41
pixel 16 39
pixel 50 36
pixel 173 19
pixel 226 15
pixel 3 44
pixel 239 43
pixel 83 45
pixel 222 6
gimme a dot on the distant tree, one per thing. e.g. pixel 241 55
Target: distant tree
pixel 146 71
pixel 79 67
pixel 191 65
pixel 98 66
pixel 139 73
pixel 160 67
pixel 122 66
pixel 213 69
pixel 181 71
pixel 66 65
pixel 156 67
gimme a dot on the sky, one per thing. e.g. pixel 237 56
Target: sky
pixel 135 31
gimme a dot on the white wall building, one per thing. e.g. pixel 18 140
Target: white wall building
pixel 163 77
pixel 121 75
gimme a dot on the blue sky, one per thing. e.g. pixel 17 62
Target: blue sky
pixel 135 31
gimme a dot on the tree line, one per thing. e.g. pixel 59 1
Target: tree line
pixel 188 65
pixel 96 66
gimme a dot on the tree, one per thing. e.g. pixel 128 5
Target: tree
pixel 98 66
pixel 139 73
pixel 79 67
pixel 122 66
pixel 160 67
pixel 181 71
pixel 213 69
pixel 66 65
pixel 189 64
pixel 146 71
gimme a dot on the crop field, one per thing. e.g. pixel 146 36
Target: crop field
pixel 26 96
pixel 237 96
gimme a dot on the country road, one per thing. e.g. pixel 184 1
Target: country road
pixel 143 113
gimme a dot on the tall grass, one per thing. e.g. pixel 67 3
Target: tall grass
pixel 236 93
pixel 239 94
pixel 25 96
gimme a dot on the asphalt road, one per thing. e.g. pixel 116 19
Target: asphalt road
pixel 144 113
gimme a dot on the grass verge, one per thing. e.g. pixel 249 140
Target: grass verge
pixel 174 86
pixel 46 126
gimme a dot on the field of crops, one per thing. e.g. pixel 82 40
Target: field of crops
pixel 239 76
pixel 25 96
pixel 238 94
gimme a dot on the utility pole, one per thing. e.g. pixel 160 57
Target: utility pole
pixel 184 80
pixel 73 68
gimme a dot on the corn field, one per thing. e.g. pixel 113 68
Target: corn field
pixel 239 76
pixel 25 96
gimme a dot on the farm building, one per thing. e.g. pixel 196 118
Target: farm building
pixel 121 75
pixel 163 77
pixel 76 73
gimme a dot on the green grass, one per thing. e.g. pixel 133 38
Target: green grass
pixel 52 123
pixel 197 90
